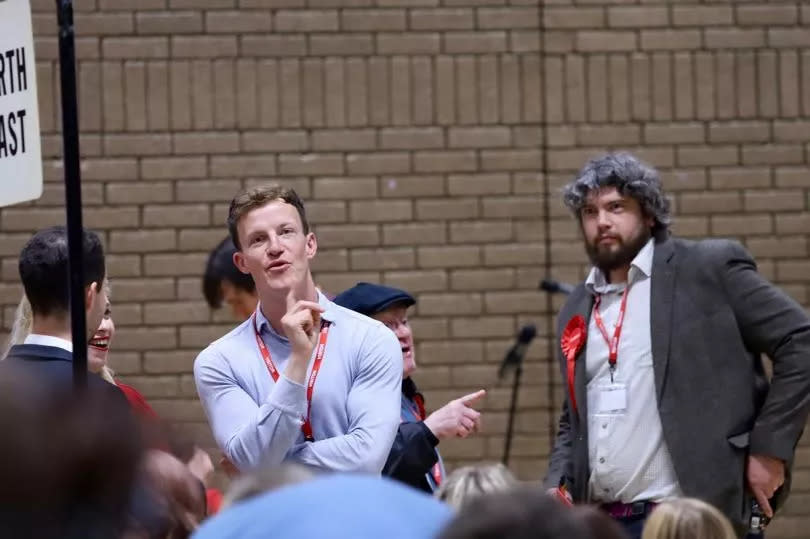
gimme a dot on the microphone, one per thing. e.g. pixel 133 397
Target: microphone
pixel 515 354
pixel 556 287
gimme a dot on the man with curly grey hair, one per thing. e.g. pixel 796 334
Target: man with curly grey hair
pixel 661 351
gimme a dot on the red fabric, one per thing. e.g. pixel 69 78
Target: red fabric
pixel 213 499
pixel 138 403
pixel 571 342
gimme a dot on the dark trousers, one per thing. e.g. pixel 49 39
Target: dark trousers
pixel 633 526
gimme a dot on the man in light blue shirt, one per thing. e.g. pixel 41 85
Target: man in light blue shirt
pixel 302 379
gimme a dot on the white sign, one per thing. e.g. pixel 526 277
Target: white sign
pixel 20 152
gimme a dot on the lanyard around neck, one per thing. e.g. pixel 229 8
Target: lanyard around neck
pixel 316 367
pixel 613 343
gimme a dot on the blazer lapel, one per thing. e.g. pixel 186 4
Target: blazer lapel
pixel 662 289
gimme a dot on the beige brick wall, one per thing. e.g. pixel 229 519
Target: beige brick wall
pixel 414 129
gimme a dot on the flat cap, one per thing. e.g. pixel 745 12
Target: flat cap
pixel 369 298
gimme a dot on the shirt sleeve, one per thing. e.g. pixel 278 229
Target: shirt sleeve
pixel 248 433
pixel 373 411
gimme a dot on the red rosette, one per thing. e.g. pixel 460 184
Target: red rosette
pixel 571 342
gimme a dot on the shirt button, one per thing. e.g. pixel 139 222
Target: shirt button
pixel 602 460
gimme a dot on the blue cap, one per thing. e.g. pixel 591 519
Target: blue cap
pixel 368 298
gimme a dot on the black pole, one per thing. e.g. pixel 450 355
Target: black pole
pixel 551 341
pixel 512 411
pixel 73 190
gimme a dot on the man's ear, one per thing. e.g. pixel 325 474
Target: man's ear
pixel 312 245
pixel 239 262
pixel 90 294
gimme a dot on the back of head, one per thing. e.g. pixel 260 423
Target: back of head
pixel 469 482
pixel 179 495
pixel 220 267
pixel 687 518
pixel 332 506
pixel 599 524
pixel 44 269
pixel 521 513
pixel 266 479
pixel 69 463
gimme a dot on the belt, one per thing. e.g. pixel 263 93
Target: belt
pixel 628 510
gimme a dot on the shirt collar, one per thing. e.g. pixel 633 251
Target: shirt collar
pixel 328 314
pixel 640 267
pixel 48 340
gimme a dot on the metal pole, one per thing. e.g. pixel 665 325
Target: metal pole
pixel 551 351
pixel 73 192
pixel 512 411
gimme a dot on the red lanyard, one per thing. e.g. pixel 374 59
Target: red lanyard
pixel 613 344
pixel 316 367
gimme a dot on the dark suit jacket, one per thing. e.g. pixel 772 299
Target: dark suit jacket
pixel 52 368
pixel 412 456
pixel 712 316
pixel 413 453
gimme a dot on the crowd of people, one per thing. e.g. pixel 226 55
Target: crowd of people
pixel 671 428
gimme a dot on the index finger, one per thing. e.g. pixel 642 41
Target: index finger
pixel 291 301
pixel 472 397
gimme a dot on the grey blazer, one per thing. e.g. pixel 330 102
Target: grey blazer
pixel 712 316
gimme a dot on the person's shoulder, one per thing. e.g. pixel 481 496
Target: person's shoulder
pixel 362 333
pixel 353 318
pixel 573 299
pixel 221 347
pixel 711 250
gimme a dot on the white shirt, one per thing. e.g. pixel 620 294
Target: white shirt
pixel 47 340
pixel 629 460
pixel 355 403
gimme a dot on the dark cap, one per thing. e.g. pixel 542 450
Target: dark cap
pixel 368 298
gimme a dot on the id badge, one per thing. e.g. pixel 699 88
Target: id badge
pixel 612 399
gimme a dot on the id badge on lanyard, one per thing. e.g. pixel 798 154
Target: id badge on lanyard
pixel 611 399
pixel 611 396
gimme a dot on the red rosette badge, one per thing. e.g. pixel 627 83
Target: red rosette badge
pixel 571 342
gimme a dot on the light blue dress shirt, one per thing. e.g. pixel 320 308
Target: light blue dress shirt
pixel 355 404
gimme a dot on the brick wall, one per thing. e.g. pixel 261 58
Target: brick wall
pixel 414 129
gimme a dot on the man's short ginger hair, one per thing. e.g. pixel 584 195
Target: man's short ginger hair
pixel 256 197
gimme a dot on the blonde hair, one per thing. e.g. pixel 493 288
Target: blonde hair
pixel 469 482
pixel 687 518
pixel 24 321
pixel 21 328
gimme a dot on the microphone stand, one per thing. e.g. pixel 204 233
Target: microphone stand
pixel 512 410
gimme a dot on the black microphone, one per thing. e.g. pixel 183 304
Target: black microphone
pixel 555 287
pixel 515 354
